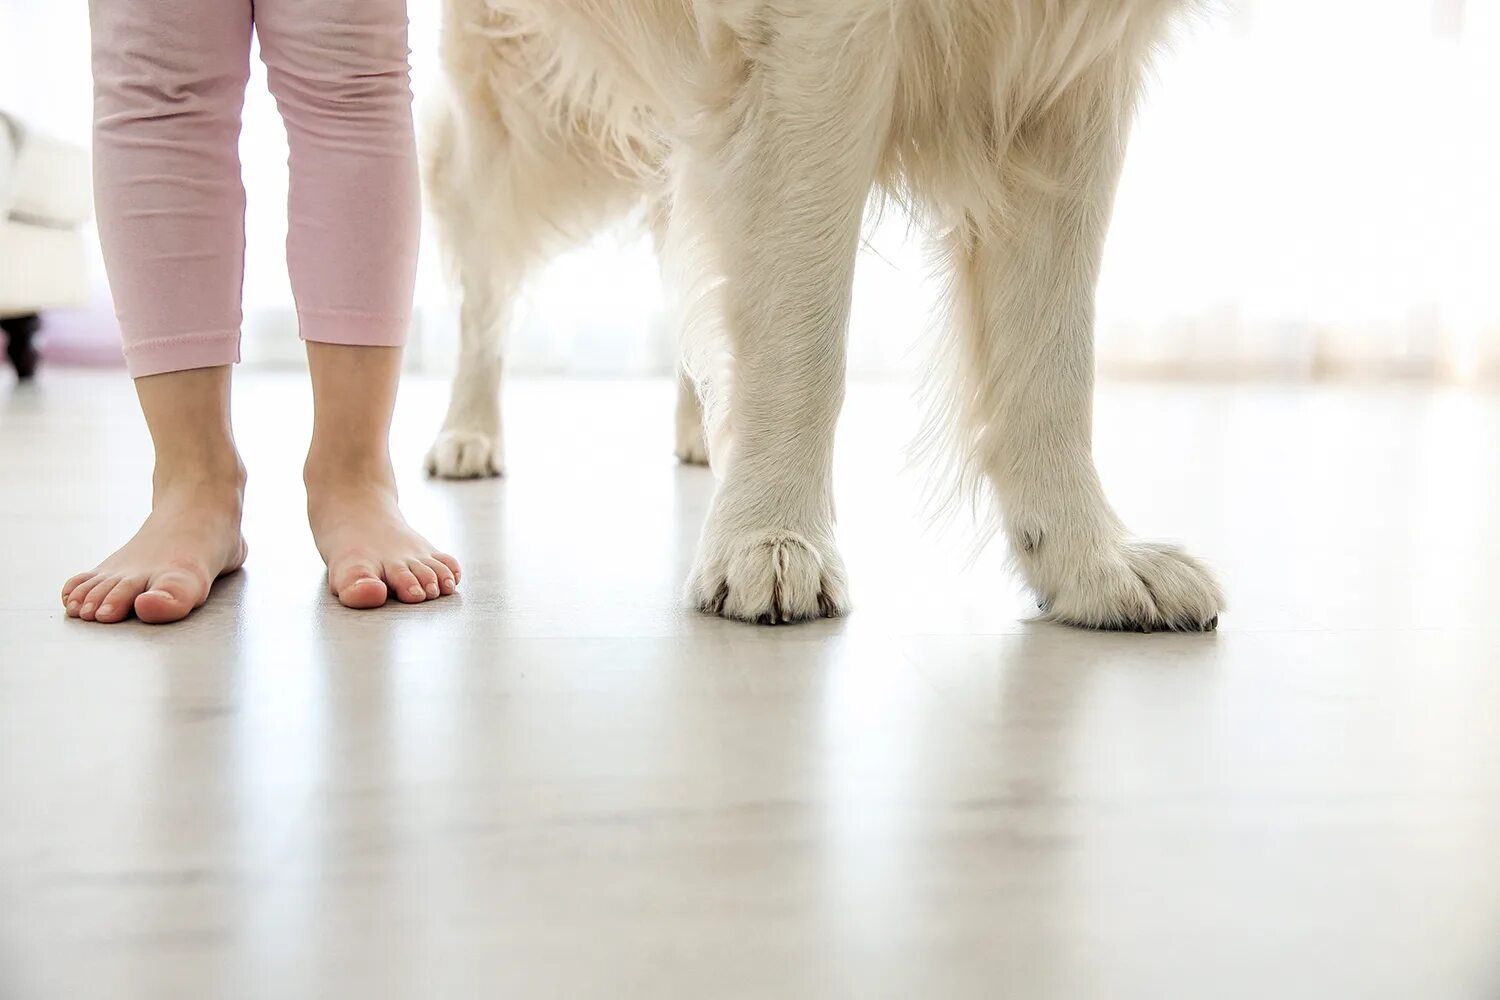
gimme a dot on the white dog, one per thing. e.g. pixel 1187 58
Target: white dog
pixel 757 130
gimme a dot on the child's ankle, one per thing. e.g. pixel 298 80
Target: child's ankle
pixel 342 469
pixel 209 475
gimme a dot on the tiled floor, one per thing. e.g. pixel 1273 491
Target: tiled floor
pixel 564 784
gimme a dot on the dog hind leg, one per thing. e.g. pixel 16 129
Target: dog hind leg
pixel 504 208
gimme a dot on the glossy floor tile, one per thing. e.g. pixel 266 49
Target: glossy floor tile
pixel 561 783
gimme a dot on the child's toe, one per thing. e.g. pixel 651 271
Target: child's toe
pixel 73 601
pixel 89 607
pixel 426 577
pixel 120 601
pixel 445 579
pixel 169 597
pixel 357 584
pixel 404 584
pixel 452 564
pixel 74 583
pixel 366 592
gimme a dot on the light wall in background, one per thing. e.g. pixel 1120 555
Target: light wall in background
pixel 1311 190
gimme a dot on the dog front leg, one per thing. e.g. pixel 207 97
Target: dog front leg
pixel 1024 282
pixel 777 189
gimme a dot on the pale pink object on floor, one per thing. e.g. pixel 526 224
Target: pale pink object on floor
pixel 169 86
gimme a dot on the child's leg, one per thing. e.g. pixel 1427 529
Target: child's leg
pixel 351 489
pixel 339 71
pixel 169 83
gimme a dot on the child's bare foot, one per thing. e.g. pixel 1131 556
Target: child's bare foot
pixel 191 538
pixel 370 550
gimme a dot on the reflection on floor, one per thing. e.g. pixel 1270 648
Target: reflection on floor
pixel 564 784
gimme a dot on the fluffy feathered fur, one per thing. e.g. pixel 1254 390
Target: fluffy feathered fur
pixel 757 131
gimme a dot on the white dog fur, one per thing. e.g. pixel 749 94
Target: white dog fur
pixel 757 130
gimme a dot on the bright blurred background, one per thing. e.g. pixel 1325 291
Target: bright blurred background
pixel 1311 192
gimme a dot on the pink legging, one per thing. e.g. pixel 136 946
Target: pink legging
pixel 169 86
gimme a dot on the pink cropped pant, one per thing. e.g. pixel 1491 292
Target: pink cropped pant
pixel 169 86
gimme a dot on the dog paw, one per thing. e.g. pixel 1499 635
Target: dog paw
pixel 692 449
pixel 1140 587
pixel 770 577
pixel 692 442
pixel 461 454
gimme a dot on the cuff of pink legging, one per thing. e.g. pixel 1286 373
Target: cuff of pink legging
pixel 162 355
pixel 354 329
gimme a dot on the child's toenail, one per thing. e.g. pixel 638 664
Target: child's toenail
pixel 105 609
pixel 433 591
pixel 416 591
pixel 87 608
pixel 72 606
pixel 447 586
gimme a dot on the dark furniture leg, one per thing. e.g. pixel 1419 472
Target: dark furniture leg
pixel 21 347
